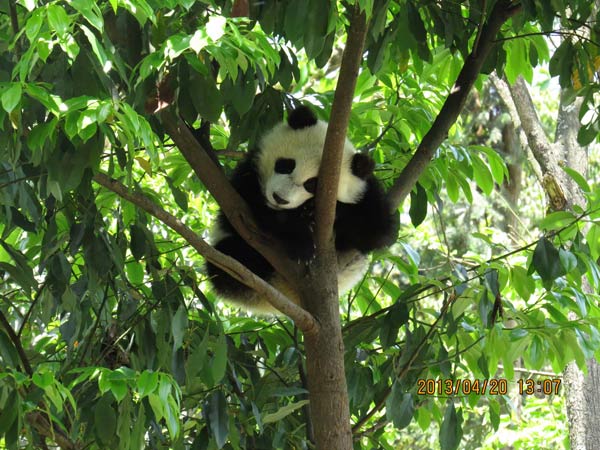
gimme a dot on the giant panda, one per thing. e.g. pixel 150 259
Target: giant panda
pixel 278 180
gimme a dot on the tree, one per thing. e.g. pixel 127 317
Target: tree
pixel 108 333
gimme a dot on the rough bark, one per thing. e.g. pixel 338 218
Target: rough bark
pixel 591 393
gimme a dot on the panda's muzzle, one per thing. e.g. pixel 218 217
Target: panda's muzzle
pixel 279 200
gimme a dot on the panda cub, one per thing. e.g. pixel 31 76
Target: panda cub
pixel 278 180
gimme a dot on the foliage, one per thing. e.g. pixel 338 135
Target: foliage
pixel 109 335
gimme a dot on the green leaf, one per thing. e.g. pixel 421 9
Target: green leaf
pixel 521 282
pixel 316 27
pixel 10 414
pixel 546 260
pixel 567 259
pixel 105 419
pixel 58 20
pixel 482 175
pixel 8 352
pixel 41 133
pixel 179 326
pixel 496 163
pixel 147 383
pixel 396 317
pixel 157 406
pixel 219 361
pixel 34 24
pixel 485 309
pixel 557 220
pixel 283 412
pixel 137 243
pixel 415 23
pixel 119 388
pixel 90 11
pixel 400 407
pixel 218 418
pixel 97 49
pixel 561 63
pixel 451 430
pixel 11 97
pixel 418 205
pixel 180 196
pixel 579 179
pixel 452 187
pixel 536 353
pixel 517 61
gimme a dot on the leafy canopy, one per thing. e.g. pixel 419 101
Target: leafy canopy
pixel 109 337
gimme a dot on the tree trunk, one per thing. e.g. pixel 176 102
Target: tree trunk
pixel 327 388
pixel 591 393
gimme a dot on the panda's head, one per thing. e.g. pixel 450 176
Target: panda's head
pixel 288 162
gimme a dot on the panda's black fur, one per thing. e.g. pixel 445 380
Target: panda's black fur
pixel 364 221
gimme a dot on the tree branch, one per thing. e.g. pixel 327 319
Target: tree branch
pixel 231 203
pixel 502 11
pixel 536 137
pixel 329 171
pixel 548 154
pixel 302 318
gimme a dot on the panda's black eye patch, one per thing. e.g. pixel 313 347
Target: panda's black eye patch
pixel 311 185
pixel 285 165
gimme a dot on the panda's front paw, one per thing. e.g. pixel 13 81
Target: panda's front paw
pixel 362 165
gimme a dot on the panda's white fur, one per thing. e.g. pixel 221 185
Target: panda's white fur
pixel 282 205
pixel 305 146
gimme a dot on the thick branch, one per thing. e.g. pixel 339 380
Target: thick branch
pixel 329 172
pixel 229 200
pixel 530 122
pixel 302 318
pixel 550 156
pixel 503 10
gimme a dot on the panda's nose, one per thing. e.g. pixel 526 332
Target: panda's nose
pixel 279 200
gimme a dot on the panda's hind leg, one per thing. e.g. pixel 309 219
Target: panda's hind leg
pixel 227 286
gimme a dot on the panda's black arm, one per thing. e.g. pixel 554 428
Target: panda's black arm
pixel 291 228
pixel 367 225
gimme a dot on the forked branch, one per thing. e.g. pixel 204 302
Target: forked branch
pixel 230 201
pixel 302 318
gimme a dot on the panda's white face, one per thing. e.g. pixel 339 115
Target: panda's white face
pixel 290 184
pixel 288 163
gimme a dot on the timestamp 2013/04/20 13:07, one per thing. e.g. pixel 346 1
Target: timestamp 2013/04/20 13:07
pixel 491 386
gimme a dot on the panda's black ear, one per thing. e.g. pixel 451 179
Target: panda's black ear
pixel 301 117
pixel 362 165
